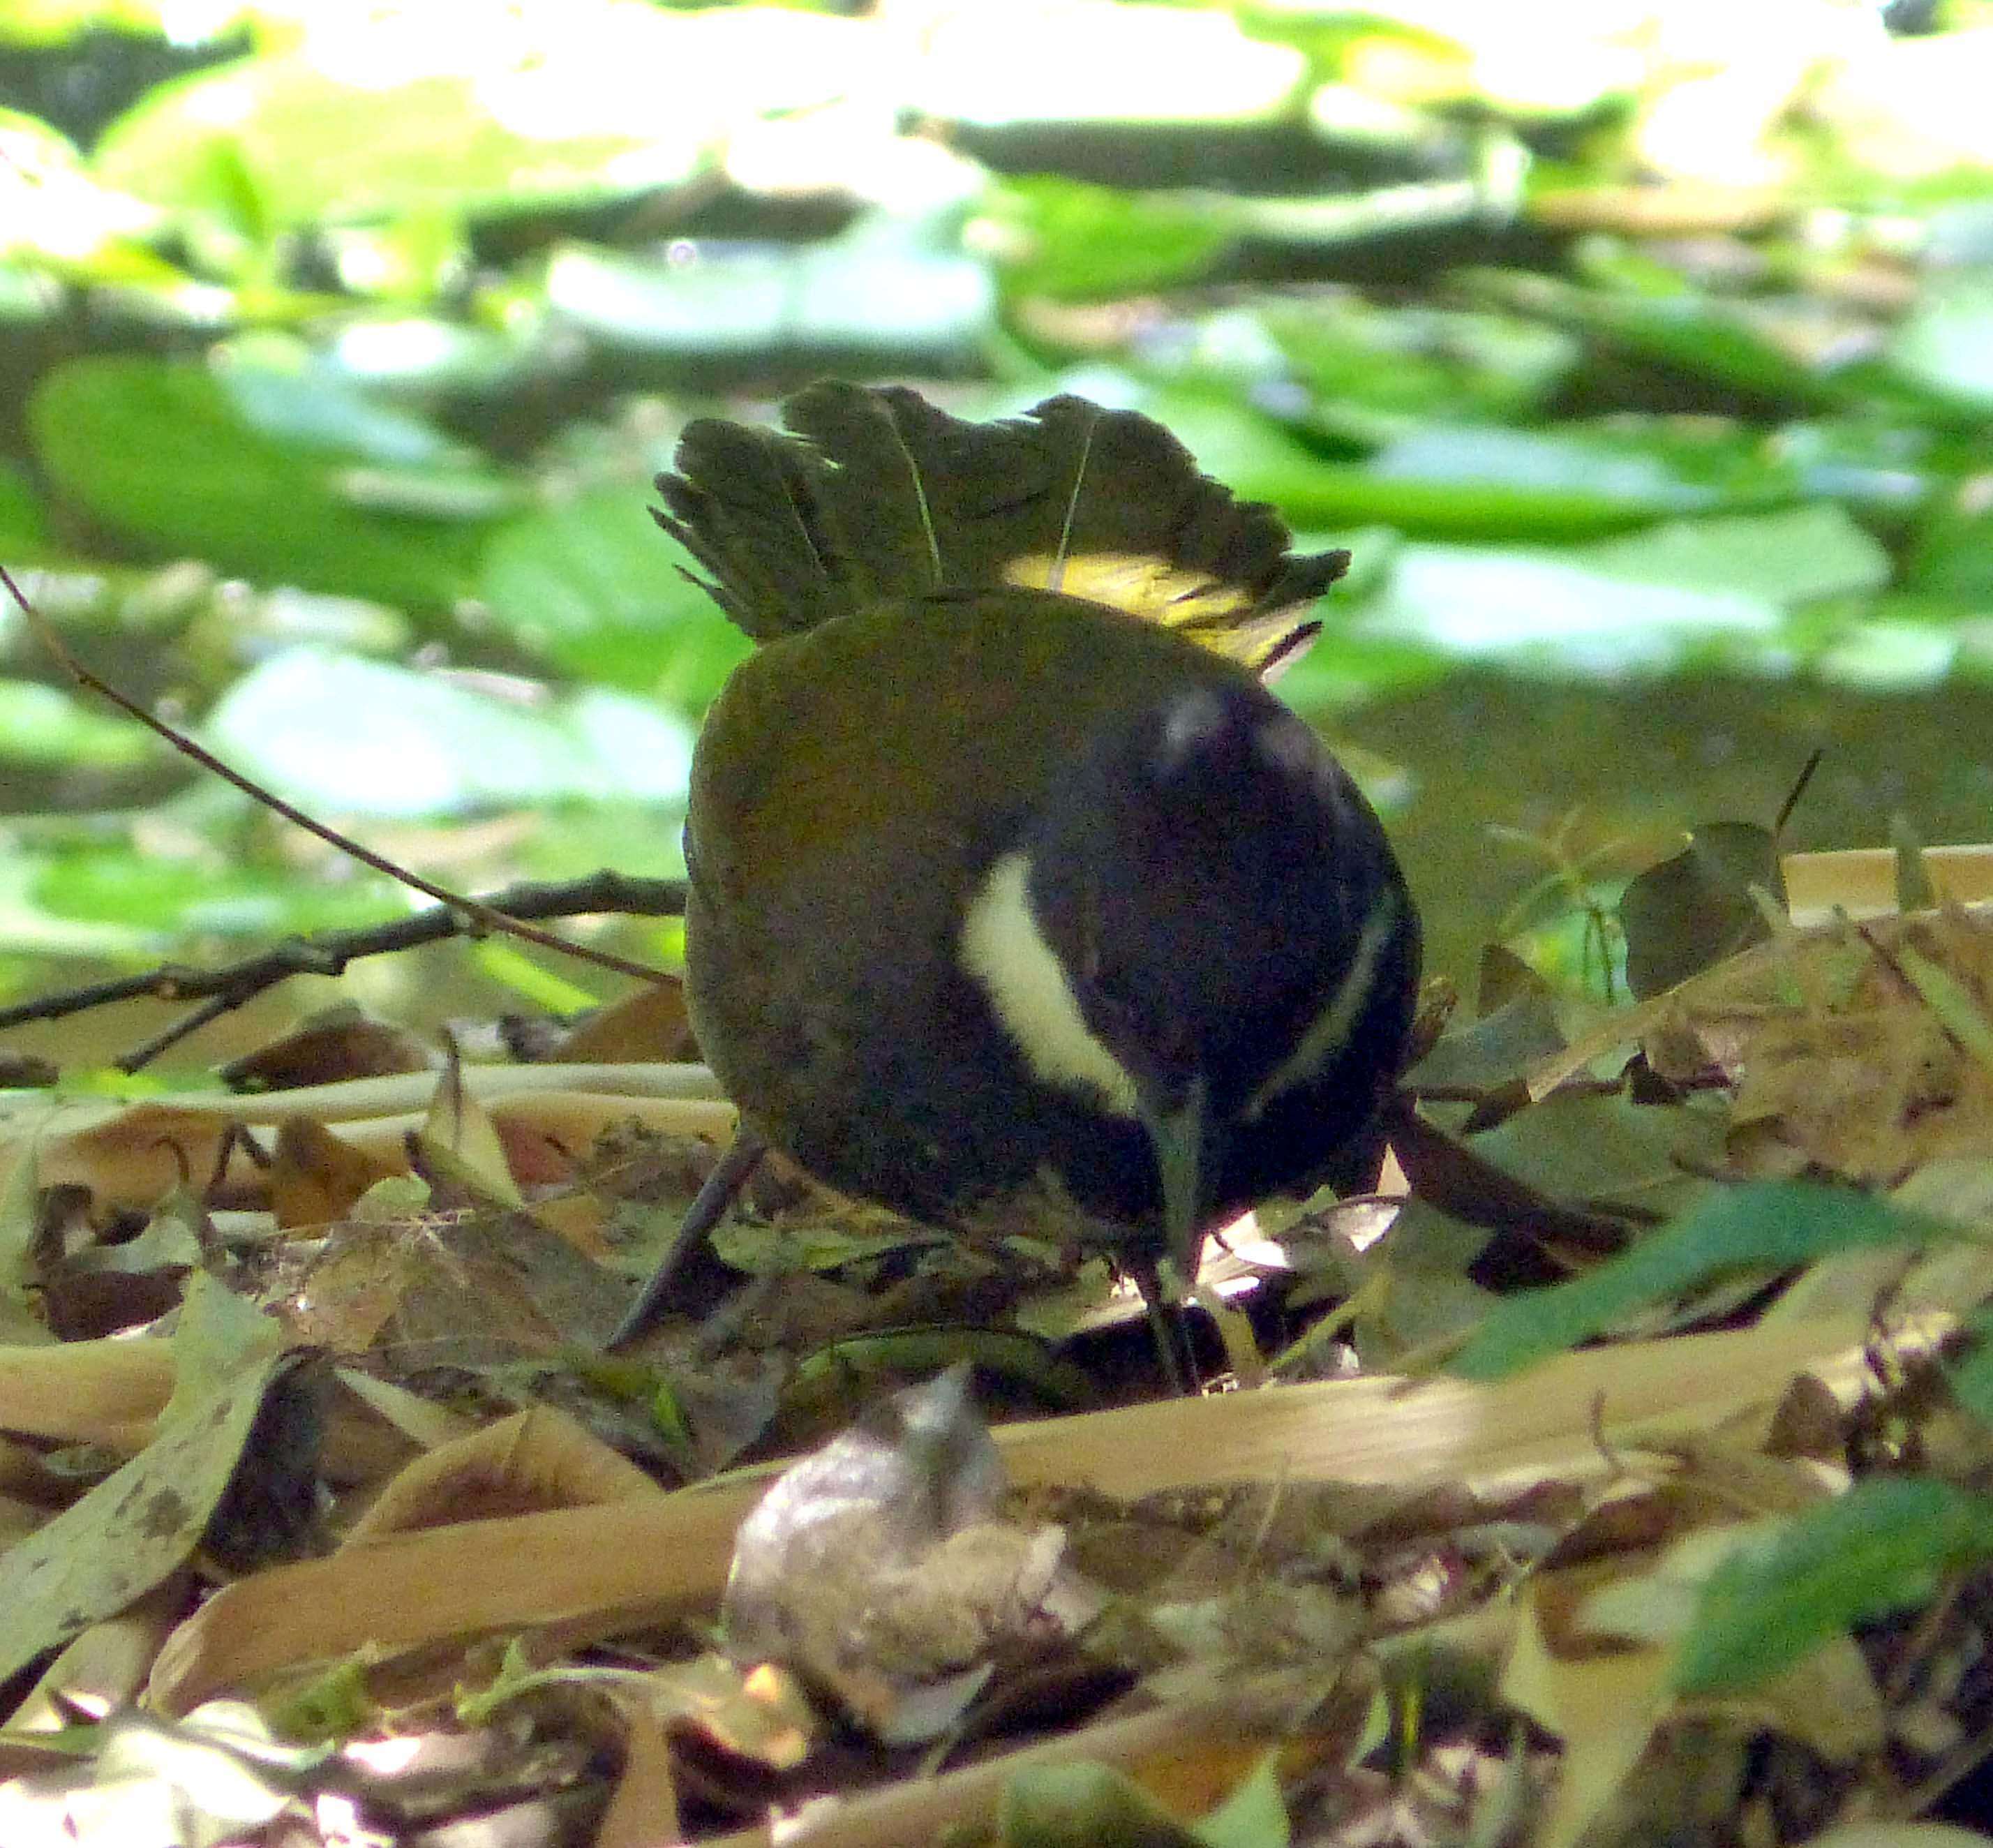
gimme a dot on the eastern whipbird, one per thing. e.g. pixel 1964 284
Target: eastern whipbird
pixel 1004 863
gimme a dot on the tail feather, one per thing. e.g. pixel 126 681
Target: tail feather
pixel 889 471
pixel 877 493
pixel 744 503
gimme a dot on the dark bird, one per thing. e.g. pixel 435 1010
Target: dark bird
pixel 1004 865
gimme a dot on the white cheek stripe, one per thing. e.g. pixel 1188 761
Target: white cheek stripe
pixel 1004 949
pixel 1328 1033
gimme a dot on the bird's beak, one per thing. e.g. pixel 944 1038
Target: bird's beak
pixel 1180 1134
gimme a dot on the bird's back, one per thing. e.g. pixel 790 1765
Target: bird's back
pixel 852 786
pixel 951 615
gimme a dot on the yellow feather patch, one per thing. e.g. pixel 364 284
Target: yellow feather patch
pixel 1217 613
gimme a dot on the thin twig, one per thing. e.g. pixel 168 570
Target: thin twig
pixel 481 918
pixel 1798 790
pixel 164 1041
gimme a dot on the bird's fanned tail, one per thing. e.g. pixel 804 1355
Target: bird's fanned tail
pixel 875 494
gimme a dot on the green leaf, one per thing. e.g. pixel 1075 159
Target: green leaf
pixel 1953 1005
pixel 1254 1816
pixel 1412 360
pixel 27 927
pixel 1497 1049
pixel 281 390
pixel 501 959
pixel 1946 343
pixel 180 897
pixel 1712 341
pixel 1091 1806
pixel 145 1519
pixel 425 356
pixel 52 210
pixel 1606 1150
pixel 1476 485
pixel 879 288
pixel 1342 667
pixel 1952 554
pixel 595 586
pixel 368 114
pixel 1894 653
pixel 357 737
pixel 41 724
pixel 24 522
pixel 57 22
pixel 583 836
pixel 1076 243
pixel 1774 1224
pixel 1640 602
pixel 1550 611
pixel 161 451
pixel 1972 1377
pixel 1880 1547
pixel 1693 910
pixel 1085 1805
pixel 1794 556
pixel 446 126
pixel 1561 462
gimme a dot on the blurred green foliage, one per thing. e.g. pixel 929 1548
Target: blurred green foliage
pixel 337 346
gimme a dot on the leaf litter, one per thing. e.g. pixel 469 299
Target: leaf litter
pixel 370 1472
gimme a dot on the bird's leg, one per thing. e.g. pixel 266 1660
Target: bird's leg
pixel 729 1174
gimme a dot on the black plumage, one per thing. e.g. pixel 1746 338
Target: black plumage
pixel 991 878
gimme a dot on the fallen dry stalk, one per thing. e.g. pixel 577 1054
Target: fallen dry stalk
pixel 130 1153
pixel 648 1559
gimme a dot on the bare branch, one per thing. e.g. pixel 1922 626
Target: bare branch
pixel 479 919
pixel 327 952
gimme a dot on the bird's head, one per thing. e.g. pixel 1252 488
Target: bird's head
pixel 1189 926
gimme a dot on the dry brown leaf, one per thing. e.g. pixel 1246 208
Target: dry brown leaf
pixel 371 1421
pixel 572 1120
pixel 1861 881
pixel 483 1288
pixel 1679 208
pixel 87 1392
pixel 535 1459
pixel 130 1155
pixel 567 1121
pixel 127 1156
pixel 1840 1064
pixel 650 1024
pixel 459 1145
pixel 1379 1428
pixel 670 1556
pixel 348 1292
pixel 338 1043
pixel 579 1218
pixel 315 1176
pixel 621 1564
pixel 1603 1704
pixel 1899 1835
pixel 1828 1701
pixel 1198 1741
pixel 644 1809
